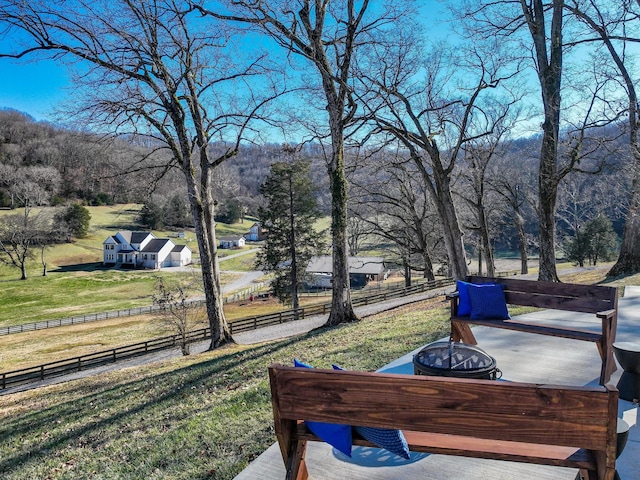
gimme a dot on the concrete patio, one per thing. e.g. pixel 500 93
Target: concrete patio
pixel 521 357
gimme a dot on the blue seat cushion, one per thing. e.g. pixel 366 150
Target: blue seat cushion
pixel 487 302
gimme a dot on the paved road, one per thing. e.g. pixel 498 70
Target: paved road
pixel 247 279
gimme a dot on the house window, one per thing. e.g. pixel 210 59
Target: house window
pixel 153 257
pixel 144 256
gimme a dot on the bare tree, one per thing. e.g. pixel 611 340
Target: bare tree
pixel 540 27
pixel 328 35
pixel 610 25
pixel 178 313
pixel 392 201
pixel 20 235
pixel 147 69
pixel 426 103
pixel 479 155
pixel 511 182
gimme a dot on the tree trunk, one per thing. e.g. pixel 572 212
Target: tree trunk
pixel 341 306
pixel 628 262
pixel 407 272
pixel 486 243
pixel 44 263
pixel 202 213
pixel 451 228
pixel 522 243
pixel 547 227
pixel 428 266
pixel 549 65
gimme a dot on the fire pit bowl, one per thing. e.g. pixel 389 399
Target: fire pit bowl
pixel 452 359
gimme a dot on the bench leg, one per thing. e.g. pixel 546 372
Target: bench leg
pixel 461 332
pixel 608 361
pixel 296 464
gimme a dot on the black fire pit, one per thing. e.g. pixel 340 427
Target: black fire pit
pixel 452 359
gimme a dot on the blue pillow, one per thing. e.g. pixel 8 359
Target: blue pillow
pixel 392 440
pixel 464 303
pixel 487 301
pixel 389 439
pixel 337 435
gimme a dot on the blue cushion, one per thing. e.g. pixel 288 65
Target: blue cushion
pixel 389 439
pixel 337 435
pixel 487 301
pixel 464 303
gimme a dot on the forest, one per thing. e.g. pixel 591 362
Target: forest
pixel 388 203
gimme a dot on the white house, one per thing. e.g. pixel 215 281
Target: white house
pixel 143 250
pixel 232 242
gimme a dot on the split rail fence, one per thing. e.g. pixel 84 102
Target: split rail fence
pixel 96 359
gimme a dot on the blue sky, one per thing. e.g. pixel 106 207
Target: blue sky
pixel 36 86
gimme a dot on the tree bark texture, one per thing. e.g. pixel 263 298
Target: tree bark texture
pixel 341 306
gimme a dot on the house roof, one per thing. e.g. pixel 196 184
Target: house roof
pixel 133 237
pixel 180 248
pixel 156 245
pixel 231 239
pixel 362 265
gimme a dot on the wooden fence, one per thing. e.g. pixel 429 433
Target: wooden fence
pixel 92 317
pixel 92 360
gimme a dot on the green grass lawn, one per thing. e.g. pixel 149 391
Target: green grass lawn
pixel 200 417
pixel 77 284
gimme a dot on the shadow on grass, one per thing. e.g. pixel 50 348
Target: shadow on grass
pixel 217 406
pixel 81 267
pixel 134 406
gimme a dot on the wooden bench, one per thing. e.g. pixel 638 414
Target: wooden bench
pixel 596 299
pixel 541 424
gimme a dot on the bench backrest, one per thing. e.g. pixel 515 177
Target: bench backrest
pixel 558 296
pixel 581 417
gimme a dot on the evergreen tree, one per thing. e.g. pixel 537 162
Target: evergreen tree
pixel 76 218
pixel 604 241
pixel 176 211
pixel 152 215
pixel 290 212
pixel 595 241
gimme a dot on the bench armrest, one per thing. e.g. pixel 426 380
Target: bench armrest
pixel 453 297
pixel 606 313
